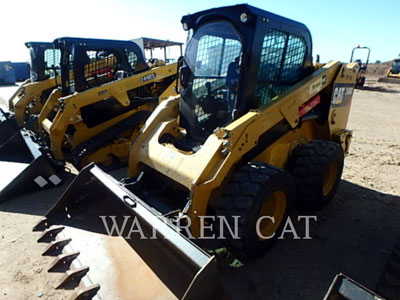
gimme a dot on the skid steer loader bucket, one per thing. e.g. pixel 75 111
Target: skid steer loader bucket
pixel 389 80
pixel 155 263
pixel 24 168
pixel 344 288
pixel 8 126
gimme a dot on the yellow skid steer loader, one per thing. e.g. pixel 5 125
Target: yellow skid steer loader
pixel 393 74
pixel 31 94
pixel 255 129
pixel 106 92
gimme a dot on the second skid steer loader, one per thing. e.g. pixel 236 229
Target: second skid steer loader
pixel 256 128
pixel 106 92
pixel 31 94
pixel 81 126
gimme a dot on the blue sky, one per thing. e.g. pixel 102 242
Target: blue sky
pixel 336 26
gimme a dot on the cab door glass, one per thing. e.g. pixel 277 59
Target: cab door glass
pixel 52 62
pixel 213 56
pixel 281 64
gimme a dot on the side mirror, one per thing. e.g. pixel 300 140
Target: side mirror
pixel 317 59
pixel 184 73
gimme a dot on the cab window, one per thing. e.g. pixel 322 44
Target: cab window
pixel 132 58
pixel 52 62
pixel 281 64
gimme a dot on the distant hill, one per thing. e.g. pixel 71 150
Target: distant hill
pixel 379 69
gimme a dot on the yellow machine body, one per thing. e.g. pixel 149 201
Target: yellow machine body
pixel 160 84
pixel 29 98
pixel 205 171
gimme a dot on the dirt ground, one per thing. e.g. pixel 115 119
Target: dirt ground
pixel 354 234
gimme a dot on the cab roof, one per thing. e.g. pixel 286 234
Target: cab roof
pixel 46 45
pixel 234 12
pixel 95 43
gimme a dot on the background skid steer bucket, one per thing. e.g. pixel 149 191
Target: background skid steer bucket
pixel 24 168
pixel 119 266
pixel 8 126
pixel 389 80
pixel 344 288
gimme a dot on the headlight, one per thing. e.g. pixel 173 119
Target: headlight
pixel 243 17
pixel 185 26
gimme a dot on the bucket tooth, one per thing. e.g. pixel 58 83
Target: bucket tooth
pixel 56 247
pixel 169 267
pixel 42 225
pixel 86 293
pixel 50 234
pixel 72 277
pixel 63 262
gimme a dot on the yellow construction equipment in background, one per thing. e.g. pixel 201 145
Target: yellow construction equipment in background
pixel 44 68
pixel 106 92
pixel 256 130
pixel 394 71
pixel 393 74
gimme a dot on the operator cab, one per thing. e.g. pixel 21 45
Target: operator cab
pixel 88 63
pixel 44 60
pixel 237 58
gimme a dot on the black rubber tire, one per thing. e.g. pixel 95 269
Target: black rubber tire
pixel 244 196
pixel 389 283
pixel 308 165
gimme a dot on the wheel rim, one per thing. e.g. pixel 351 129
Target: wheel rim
pixel 273 206
pixel 329 179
